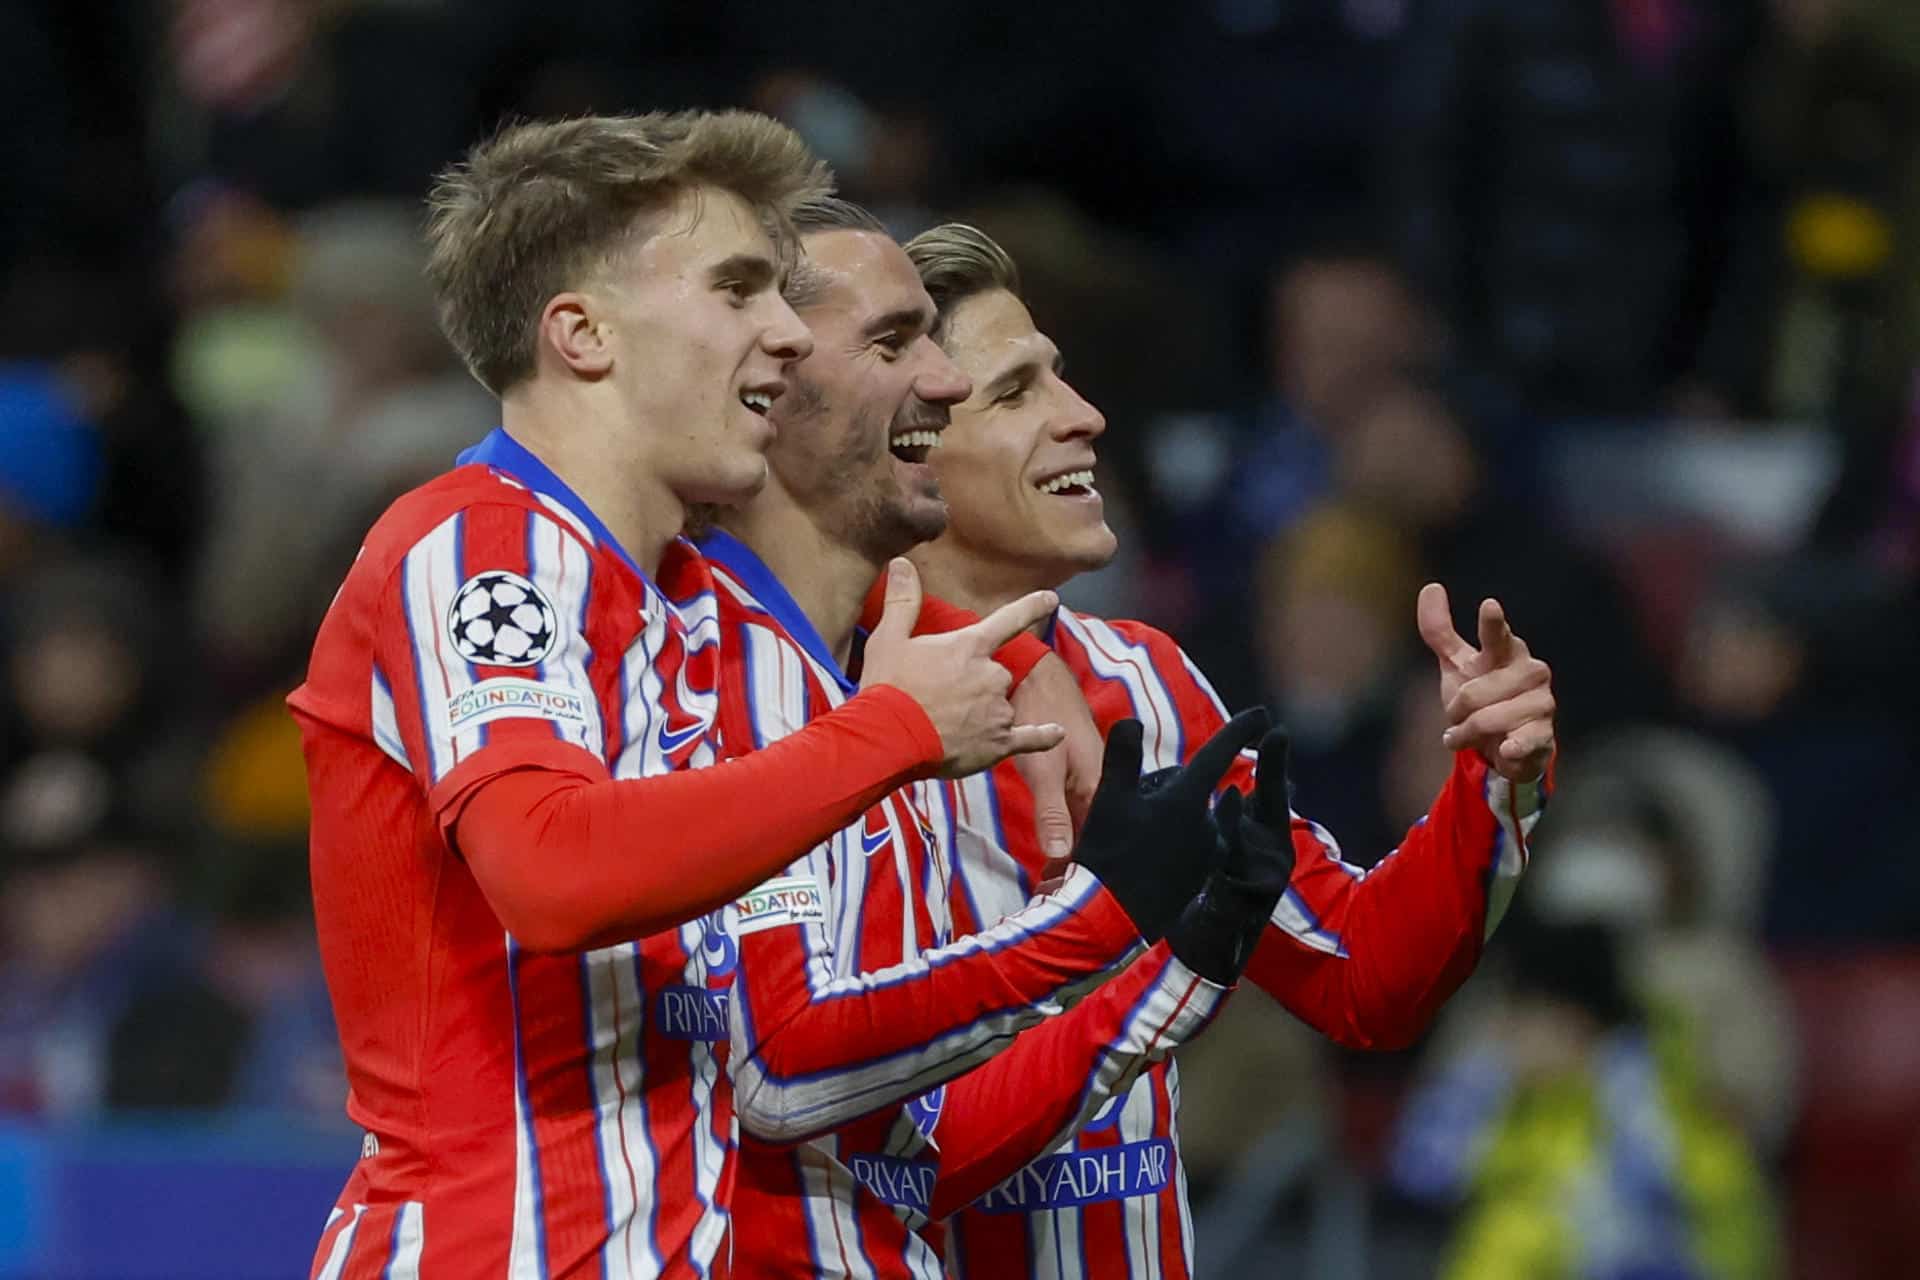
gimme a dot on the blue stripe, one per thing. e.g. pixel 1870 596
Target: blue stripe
pixel 526 1110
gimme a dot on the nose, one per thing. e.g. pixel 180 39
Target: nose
pixel 786 337
pixel 939 380
pixel 1077 419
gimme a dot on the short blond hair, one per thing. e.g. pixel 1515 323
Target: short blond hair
pixel 537 207
pixel 957 261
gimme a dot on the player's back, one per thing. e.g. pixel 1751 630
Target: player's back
pixel 516 1114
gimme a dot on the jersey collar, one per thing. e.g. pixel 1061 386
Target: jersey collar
pixel 503 453
pixel 758 579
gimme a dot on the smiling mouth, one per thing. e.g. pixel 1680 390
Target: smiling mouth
pixel 760 402
pixel 914 446
pixel 1072 484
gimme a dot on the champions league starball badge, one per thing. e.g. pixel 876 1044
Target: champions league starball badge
pixel 499 619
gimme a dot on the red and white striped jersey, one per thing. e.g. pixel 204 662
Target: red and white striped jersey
pixel 1366 957
pixel 538 1115
pixel 851 994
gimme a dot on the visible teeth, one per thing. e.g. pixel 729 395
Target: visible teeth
pixel 759 401
pixel 916 440
pixel 1071 480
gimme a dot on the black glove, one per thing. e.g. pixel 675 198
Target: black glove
pixel 1150 841
pixel 1219 929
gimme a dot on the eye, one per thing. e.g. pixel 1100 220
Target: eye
pixel 739 292
pixel 1011 396
pixel 893 344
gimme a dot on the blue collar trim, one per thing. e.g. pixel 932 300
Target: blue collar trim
pixel 502 452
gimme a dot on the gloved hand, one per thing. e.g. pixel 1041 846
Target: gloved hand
pixel 1151 841
pixel 1222 925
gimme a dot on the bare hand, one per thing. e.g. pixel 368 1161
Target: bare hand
pixel 1499 697
pixel 953 675
pixel 1061 780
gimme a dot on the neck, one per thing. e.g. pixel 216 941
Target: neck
pixel 973 582
pixel 637 506
pixel 828 580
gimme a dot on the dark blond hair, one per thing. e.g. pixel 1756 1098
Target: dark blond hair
pixel 957 261
pixel 533 210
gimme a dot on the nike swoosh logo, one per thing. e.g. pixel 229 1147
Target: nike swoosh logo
pixel 673 740
pixel 872 844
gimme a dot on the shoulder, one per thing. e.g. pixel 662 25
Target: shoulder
pixel 463 507
pixel 1121 648
pixel 1131 669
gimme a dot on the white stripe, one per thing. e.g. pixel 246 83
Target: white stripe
pixel 1140 1214
pixel 640 757
pixel 342 1246
pixel 991 874
pixel 1113 657
pixel 1504 799
pixel 523 1253
pixel 409 1240
pixel 386 724
pixel 627 1162
pixel 562 569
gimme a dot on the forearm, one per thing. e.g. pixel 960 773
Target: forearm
pixel 1369 959
pixel 571 861
pixel 813 1051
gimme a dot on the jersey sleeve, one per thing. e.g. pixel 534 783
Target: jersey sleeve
pixel 1008 1112
pixel 493 644
pixel 1368 957
pixel 816 1041
pixel 1364 957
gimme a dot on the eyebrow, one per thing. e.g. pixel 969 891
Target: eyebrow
pixel 1021 372
pixel 916 320
pixel 757 271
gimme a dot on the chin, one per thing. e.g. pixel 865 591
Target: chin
pixel 729 487
pixel 1088 552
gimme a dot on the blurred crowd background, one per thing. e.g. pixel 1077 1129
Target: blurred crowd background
pixel 1609 308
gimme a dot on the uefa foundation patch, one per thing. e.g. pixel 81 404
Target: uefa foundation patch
pixel 786 900
pixel 502 697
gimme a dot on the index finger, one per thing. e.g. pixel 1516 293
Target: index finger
pixel 1496 637
pixel 1211 762
pixel 1010 619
